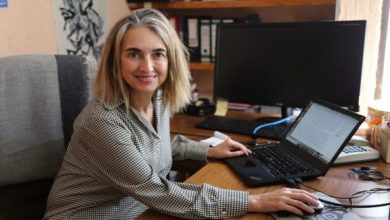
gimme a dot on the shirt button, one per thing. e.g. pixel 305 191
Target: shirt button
pixel 224 212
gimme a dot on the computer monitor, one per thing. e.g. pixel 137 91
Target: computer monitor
pixel 289 64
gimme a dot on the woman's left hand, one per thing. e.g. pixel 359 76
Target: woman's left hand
pixel 228 148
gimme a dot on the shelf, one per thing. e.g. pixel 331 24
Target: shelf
pixel 227 4
pixel 202 66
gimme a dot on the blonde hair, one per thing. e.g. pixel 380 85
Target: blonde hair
pixel 109 86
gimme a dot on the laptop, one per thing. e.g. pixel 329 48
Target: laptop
pixel 308 149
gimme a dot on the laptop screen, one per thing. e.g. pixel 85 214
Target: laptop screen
pixel 321 131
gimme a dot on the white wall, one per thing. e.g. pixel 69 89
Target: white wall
pixel 116 9
pixel 29 26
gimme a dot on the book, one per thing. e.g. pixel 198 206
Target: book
pixel 214 23
pixel 191 36
pixel 177 23
pixel 205 39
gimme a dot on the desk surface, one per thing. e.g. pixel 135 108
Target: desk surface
pixel 339 181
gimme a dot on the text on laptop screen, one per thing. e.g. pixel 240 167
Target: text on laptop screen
pixel 322 141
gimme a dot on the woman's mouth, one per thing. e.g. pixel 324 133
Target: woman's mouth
pixel 146 78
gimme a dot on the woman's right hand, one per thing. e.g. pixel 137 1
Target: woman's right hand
pixel 292 200
pixel 228 148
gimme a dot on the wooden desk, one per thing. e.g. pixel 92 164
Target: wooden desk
pixel 339 181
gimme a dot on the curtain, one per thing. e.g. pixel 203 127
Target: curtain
pixel 372 71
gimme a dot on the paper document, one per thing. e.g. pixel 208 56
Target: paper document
pixel 216 139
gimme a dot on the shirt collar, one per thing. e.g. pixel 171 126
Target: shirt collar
pixel 114 105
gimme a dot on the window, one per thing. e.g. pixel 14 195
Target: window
pixel 376 72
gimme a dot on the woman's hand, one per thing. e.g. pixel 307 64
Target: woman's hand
pixel 292 200
pixel 228 148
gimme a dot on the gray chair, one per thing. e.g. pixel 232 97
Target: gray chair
pixel 40 96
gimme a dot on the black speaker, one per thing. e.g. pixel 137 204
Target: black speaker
pixel 202 107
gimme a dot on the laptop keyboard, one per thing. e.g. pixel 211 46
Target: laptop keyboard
pixel 279 163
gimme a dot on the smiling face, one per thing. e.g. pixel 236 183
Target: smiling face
pixel 144 61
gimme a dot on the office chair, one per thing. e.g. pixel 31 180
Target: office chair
pixel 40 96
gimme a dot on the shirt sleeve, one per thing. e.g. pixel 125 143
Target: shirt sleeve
pixel 114 161
pixel 184 148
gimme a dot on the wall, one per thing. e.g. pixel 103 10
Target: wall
pixel 115 10
pixel 29 26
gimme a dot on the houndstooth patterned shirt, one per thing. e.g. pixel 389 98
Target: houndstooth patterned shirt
pixel 116 166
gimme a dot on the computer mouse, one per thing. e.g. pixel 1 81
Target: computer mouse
pixel 319 207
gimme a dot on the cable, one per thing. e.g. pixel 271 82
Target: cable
pixel 353 206
pixel 366 173
pixel 292 182
pixel 272 123
pixel 357 195
pixel 353 196
pixel 336 197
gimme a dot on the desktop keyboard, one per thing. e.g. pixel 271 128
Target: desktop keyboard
pixel 220 123
pixel 353 154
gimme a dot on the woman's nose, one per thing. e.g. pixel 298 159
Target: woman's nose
pixel 147 64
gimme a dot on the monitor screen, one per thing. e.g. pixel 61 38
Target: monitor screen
pixel 289 64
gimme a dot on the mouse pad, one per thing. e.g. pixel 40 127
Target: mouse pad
pixel 328 213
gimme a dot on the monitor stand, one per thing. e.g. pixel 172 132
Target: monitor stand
pixel 285 113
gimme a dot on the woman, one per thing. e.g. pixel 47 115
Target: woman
pixel 120 152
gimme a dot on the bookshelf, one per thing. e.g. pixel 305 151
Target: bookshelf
pixel 202 66
pixel 268 11
pixel 227 4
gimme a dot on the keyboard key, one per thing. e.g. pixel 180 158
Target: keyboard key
pixel 279 163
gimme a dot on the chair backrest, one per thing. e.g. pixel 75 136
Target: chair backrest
pixel 40 96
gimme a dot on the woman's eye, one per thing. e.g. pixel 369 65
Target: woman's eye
pixel 134 55
pixel 159 55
